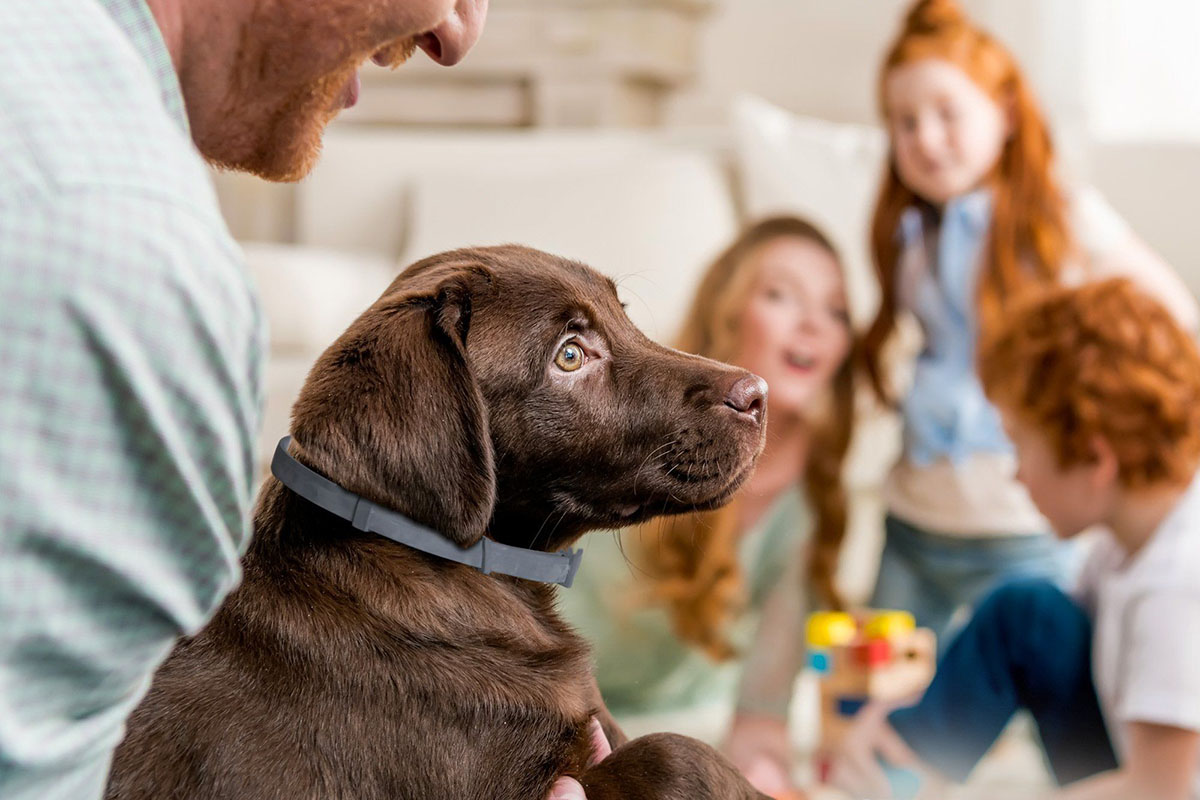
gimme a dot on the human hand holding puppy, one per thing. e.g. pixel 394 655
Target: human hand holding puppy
pixel 569 788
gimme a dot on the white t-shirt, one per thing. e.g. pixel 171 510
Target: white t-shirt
pixel 1146 646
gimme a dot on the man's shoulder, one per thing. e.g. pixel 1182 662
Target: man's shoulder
pixel 118 253
pixel 80 109
pixel 98 180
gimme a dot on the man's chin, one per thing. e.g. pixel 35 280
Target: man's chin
pixel 286 155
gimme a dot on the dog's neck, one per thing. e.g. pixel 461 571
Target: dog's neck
pixel 547 531
pixel 294 522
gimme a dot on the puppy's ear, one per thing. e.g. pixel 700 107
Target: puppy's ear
pixel 392 410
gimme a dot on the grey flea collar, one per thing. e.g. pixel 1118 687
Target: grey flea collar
pixel 486 555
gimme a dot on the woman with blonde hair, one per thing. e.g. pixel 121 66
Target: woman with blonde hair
pixel 697 614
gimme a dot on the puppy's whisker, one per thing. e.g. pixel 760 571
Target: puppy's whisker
pixel 550 535
pixel 629 562
pixel 625 289
pixel 533 542
pixel 662 448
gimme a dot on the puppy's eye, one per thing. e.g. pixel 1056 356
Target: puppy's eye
pixel 570 357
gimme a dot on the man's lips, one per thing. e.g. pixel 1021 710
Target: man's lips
pixel 350 92
pixel 391 55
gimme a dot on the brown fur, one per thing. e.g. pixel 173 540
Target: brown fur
pixel 348 666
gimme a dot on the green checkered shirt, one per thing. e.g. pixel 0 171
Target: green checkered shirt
pixel 130 349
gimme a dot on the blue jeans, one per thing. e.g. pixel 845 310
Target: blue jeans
pixel 1028 646
pixel 934 575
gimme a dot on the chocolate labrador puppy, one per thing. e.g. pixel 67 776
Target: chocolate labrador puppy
pixel 497 392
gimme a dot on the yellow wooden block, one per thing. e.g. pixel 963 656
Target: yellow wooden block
pixel 890 625
pixel 831 629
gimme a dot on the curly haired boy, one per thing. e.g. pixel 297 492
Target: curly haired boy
pixel 1099 390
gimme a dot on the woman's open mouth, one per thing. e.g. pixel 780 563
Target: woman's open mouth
pixel 800 361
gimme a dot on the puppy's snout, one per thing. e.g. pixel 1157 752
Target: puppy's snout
pixel 748 395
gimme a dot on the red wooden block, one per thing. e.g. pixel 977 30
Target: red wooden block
pixel 874 653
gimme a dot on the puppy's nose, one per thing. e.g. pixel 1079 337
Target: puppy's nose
pixel 748 395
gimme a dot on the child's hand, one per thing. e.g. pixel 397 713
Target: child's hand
pixel 567 789
pixel 857 768
pixel 570 789
pixel 758 746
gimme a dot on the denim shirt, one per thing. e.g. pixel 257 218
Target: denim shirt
pixel 946 414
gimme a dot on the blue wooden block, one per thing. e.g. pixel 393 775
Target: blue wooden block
pixel 849 706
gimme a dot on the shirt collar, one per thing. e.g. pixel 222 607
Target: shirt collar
pixel 973 208
pixel 134 19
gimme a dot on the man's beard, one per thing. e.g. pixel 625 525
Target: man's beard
pixel 396 53
pixel 283 142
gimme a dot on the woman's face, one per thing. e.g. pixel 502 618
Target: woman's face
pixel 947 133
pixel 795 329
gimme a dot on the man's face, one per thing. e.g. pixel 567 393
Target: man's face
pixel 296 66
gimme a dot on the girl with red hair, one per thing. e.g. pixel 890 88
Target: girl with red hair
pixel 971 214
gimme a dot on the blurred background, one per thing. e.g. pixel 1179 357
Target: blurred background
pixel 638 135
pixel 1118 79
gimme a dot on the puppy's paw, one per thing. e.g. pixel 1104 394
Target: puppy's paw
pixel 667 766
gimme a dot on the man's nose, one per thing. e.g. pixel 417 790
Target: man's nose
pixel 450 41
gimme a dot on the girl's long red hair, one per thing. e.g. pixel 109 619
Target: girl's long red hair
pixel 1028 238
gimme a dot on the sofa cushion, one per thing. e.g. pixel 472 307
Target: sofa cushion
pixel 824 171
pixel 651 220
pixel 310 294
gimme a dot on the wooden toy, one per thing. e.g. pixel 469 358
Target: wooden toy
pixel 879 655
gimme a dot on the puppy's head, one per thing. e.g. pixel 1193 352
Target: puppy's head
pixel 505 390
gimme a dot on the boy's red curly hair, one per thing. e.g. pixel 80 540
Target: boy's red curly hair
pixel 1103 359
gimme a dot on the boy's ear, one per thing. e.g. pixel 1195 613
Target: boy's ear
pixel 1106 468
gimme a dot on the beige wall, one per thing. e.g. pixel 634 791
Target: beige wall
pixel 812 56
pixel 1117 79
pixel 820 57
